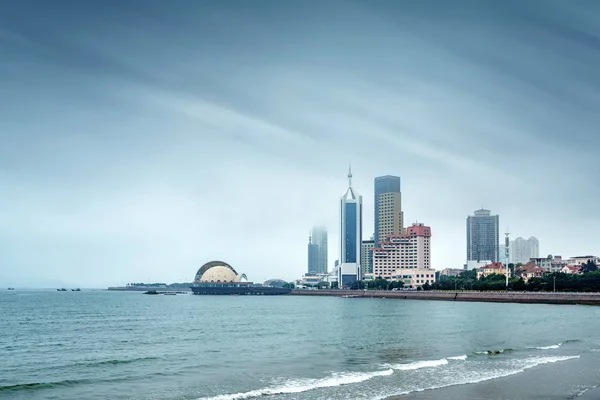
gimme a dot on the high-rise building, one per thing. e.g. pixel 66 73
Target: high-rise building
pixel 483 239
pixel 406 257
pixel 366 256
pixel 389 218
pixel 522 250
pixel 313 257
pixel 319 238
pixel 349 269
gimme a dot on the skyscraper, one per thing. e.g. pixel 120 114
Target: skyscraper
pixel 366 256
pixel 313 256
pixel 349 270
pixel 389 218
pixel 319 238
pixel 483 239
pixel 522 250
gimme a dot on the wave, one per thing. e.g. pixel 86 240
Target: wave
pixel 494 352
pixel 304 385
pixel 424 364
pixel 478 376
pixel 554 346
pixel 112 362
pixel 419 365
pixel 40 385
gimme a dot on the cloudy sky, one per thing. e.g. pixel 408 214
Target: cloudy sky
pixel 140 139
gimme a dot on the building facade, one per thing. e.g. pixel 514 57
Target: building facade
pixel 349 269
pixel 389 218
pixel 483 236
pixel 522 250
pixel 580 260
pixel 319 238
pixel 407 251
pixel 313 257
pixel 493 268
pixel 366 256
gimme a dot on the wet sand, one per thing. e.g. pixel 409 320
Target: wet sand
pixel 575 379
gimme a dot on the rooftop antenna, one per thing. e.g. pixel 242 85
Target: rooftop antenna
pixel 349 174
pixel 506 246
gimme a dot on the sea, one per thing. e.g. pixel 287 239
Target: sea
pixel 127 345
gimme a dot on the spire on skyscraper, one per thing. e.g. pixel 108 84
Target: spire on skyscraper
pixel 349 175
pixel 350 191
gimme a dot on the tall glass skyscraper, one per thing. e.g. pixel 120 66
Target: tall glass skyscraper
pixel 313 257
pixel 349 270
pixel 483 237
pixel 389 218
pixel 319 238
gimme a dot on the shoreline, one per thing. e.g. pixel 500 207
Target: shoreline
pixel 493 297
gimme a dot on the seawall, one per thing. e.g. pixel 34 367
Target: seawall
pixel 494 297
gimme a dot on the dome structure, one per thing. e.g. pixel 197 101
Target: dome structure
pixel 218 272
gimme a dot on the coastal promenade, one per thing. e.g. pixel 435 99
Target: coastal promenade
pixel 494 297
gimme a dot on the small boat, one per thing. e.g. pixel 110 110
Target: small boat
pixel 11 288
pixel 151 292
pixel 61 290
pixel 76 290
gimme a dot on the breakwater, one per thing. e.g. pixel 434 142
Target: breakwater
pixel 494 297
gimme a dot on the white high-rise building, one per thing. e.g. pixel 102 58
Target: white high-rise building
pixel 522 250
pixel 319 238
pixel 350 236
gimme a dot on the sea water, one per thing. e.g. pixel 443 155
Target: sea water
pixel 126 345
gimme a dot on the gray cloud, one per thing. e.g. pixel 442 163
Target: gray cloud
pixel 139 139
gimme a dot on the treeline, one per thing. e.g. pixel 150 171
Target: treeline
pixel 587 282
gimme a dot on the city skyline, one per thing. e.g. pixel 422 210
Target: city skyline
pixel 142 139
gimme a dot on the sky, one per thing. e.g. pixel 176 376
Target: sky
pixel 141 139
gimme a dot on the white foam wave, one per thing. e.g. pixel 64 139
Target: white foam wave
pixel 554 346
pixel 477 376
pixel 490 352
pixel 459 358
pixel 304 385
pixel 418 365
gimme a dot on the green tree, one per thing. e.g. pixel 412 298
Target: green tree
pixel 334 285
pixel 589 266
pixel 357 285
pixel 472 274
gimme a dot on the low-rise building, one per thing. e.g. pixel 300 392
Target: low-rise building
pixel 530 271
pixel 414 277
pixel 580 260
pixel 550 263
pixel 474 264
pixel 571 269
pixel 451 272
pixel 493 268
